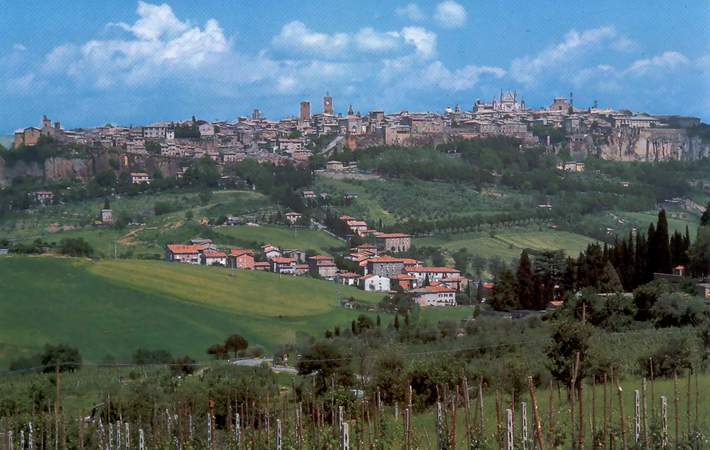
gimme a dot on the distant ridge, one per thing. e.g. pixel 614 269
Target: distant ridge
pixel 6 141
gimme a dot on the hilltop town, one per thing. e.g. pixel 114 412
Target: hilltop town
pixel 582 131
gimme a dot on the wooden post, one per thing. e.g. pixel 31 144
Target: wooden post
pixel 580 398
pixel 675 409
pixel 653 391
pixel 481 430
pixel 499 426
pixel 606 411
pixel 141 439
pixel 621 414
pixel 344 437
pixel 278 434
pixel 128 437
pixel 688 404
pixel 644 413
pixel 30 437
pixel 536 416
pixel 524 425
pixel 637 417
pixel 467 410
pixel 664 421
pixel 440 434
pixel 509 438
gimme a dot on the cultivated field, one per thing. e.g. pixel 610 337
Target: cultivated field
pixel 509 244
pixel 113 307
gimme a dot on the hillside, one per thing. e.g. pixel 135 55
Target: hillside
pixel 113 307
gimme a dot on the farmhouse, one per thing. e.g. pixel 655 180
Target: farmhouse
pixel 293 217
pixel 189 254
pixel 432 273
pixel 385 266
pixel 43 197
pixel 270 251
pixel 393 242
pixel 347 278
pixel 375 283
pixel 357 227
pixel 262 266
pixel 241 258
pixel 140 178
pixel 404 281
pixel 435 295
pixel 323 266
pixel 286 266
pixel 214 258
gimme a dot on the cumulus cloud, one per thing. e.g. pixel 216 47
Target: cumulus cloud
pixel 411 11
pixel 527 69
pixel 296 36
pixel 664 62
pixel 423 40
pixel 437 74
pixel 369 40
pixel 450 14
pixel 155 22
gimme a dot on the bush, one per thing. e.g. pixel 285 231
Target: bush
pixel 674 356
pixel 75 247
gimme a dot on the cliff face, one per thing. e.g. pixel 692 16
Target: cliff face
pixel 68 169
pixel 652 144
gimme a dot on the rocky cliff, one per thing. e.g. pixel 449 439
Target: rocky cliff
pixel 652 144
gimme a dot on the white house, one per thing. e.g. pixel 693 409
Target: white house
pixel 437 295
pixel 188 254
pixel 375 283
pixel 213 258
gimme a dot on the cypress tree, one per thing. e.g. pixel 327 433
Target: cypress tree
pixel 641 261
pixel 651 255
pixel 396 322
pixel 378 321
pixel 525 283
pixel 663 251
pixel 705 218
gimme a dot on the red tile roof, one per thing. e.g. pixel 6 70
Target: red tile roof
pixel 434 270
pixel 393 235
pixel 321 258
pixel 214 254
pixel 241 251
pixel 283 260
pixel 385 259
pixel 432 289
pixel 181 248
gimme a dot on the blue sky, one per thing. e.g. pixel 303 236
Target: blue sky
pixel 86 62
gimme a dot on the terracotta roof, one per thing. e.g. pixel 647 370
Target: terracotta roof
pixel 385 259
pixel 214 254
pixel 261 264
pixel 293 214
pixel 241 251
pixel 410 261
pixel 321 258
pixel 356 223
pixel 181 248
pixel 365 246
pixel 283 260
pixel 403 276
pixel 348 275
pixel 434 270
pixel 393 235
pixel 345 217
pixel 432 289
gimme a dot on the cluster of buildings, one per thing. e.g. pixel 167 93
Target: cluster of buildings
pixel 378 267
pixel 293 139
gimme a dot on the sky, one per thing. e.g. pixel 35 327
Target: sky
pixel 87 63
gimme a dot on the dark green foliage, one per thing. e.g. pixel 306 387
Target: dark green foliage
pixel 60 356
pixel 570 338
pixel 75 247
pixel 504 296
pixel 202 173
pixel 152 147
pixel 144 357
pixel 235 344
pixel 525 283
pixel 327 363
pixel 677 310
pixel 672 357
pixel 183 365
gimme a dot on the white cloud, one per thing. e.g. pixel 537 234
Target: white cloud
pixel 296 36
pixel 369 40
pixel 450 14
pixel 666 61
pixel 155 22
pixel 19 47
pixel 423 40
pixel 411 11
pixel 436 74
pixel 527 69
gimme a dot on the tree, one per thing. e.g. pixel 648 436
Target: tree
pixel 504 296
pixel 183 365
pixel 236 343
pixel 662 249
pixel 64 357
pixel 705 218
pixel 610 281
pixel 218 351
pixel 389 376
pixel 326 362
pixel 107 205
pixel 152 147
pixel 396 322
pixel 142 357
pixel 525 283
pixel 75 247
pixel 700 252
pixel 569 339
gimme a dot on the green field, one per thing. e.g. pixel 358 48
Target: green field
pixel 114 307
pixel 393 200
pixel 509 244
pixel 283 237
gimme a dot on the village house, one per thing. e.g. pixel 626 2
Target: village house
pixel 43 197
pixel 106 216
pixel 393 242
pixel 375 283
pixel 262 266
pixel 301 269
pixel 347 278
pixel 403 281
pixel 298 255
pixel 433 274
pixel 270 251
pixel 283 265
pixel 241 258
pixel 385 266
pixel 293 217
pixel 140 178
pixel 435 295
pixel 188 254
pixel 309 195
pixel 323 266
pixel 334 166
pixel 214 258
pixel 357 227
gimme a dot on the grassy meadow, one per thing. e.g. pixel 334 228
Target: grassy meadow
pixel 509 243
pixel 113 307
